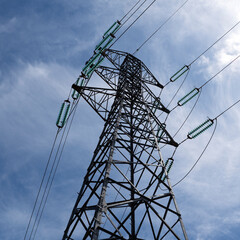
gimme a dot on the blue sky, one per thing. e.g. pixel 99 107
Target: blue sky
pixel 44 45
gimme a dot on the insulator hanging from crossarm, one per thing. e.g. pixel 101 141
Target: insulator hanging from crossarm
pixel 92 64
pixel 107 37
pixel 90 61
pixel 98 52
pixel 160 131
pixel 104 43
pixel 113 29
pixel 168 166
pixel 179 73
pixel 188 97
pixel 63 113
pixel 80 82
pixel 200 129
pixel 156 105
pixel 88 70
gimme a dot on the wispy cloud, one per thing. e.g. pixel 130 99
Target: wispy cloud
pixel 8 26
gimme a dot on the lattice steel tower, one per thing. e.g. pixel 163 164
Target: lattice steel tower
pixel 121 196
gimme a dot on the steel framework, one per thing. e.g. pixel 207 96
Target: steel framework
pixel 122 193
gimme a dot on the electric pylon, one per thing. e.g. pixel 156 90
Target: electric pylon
pixel 122 193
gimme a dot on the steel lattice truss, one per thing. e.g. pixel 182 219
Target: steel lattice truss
pixel 121 196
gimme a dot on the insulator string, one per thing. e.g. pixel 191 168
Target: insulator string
pixel 190 170
pixel 196 91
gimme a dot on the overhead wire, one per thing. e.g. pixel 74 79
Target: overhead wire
pixel 185 120
pixel 130 10
pixel 214 43
pixel 41 184
pixel 46 186
pixel 165 22
pixel 55 170
pixel 52 171
pixel 186 68
pixel 48 180
pixel 215 119
pixel 220 71
pixel 133 22
pixel 227 109
pixel 133 12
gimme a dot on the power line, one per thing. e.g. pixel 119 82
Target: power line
pixel 40 187
pixel 214 43
pixel 128 20
pixel 227 109
pixel 133 12
pixel 54 173
pixel 45 189
pixel 49 177
pixel 133 22
pixel 220 71
pixel 130 10
pixel 186 68
pixel 168 19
